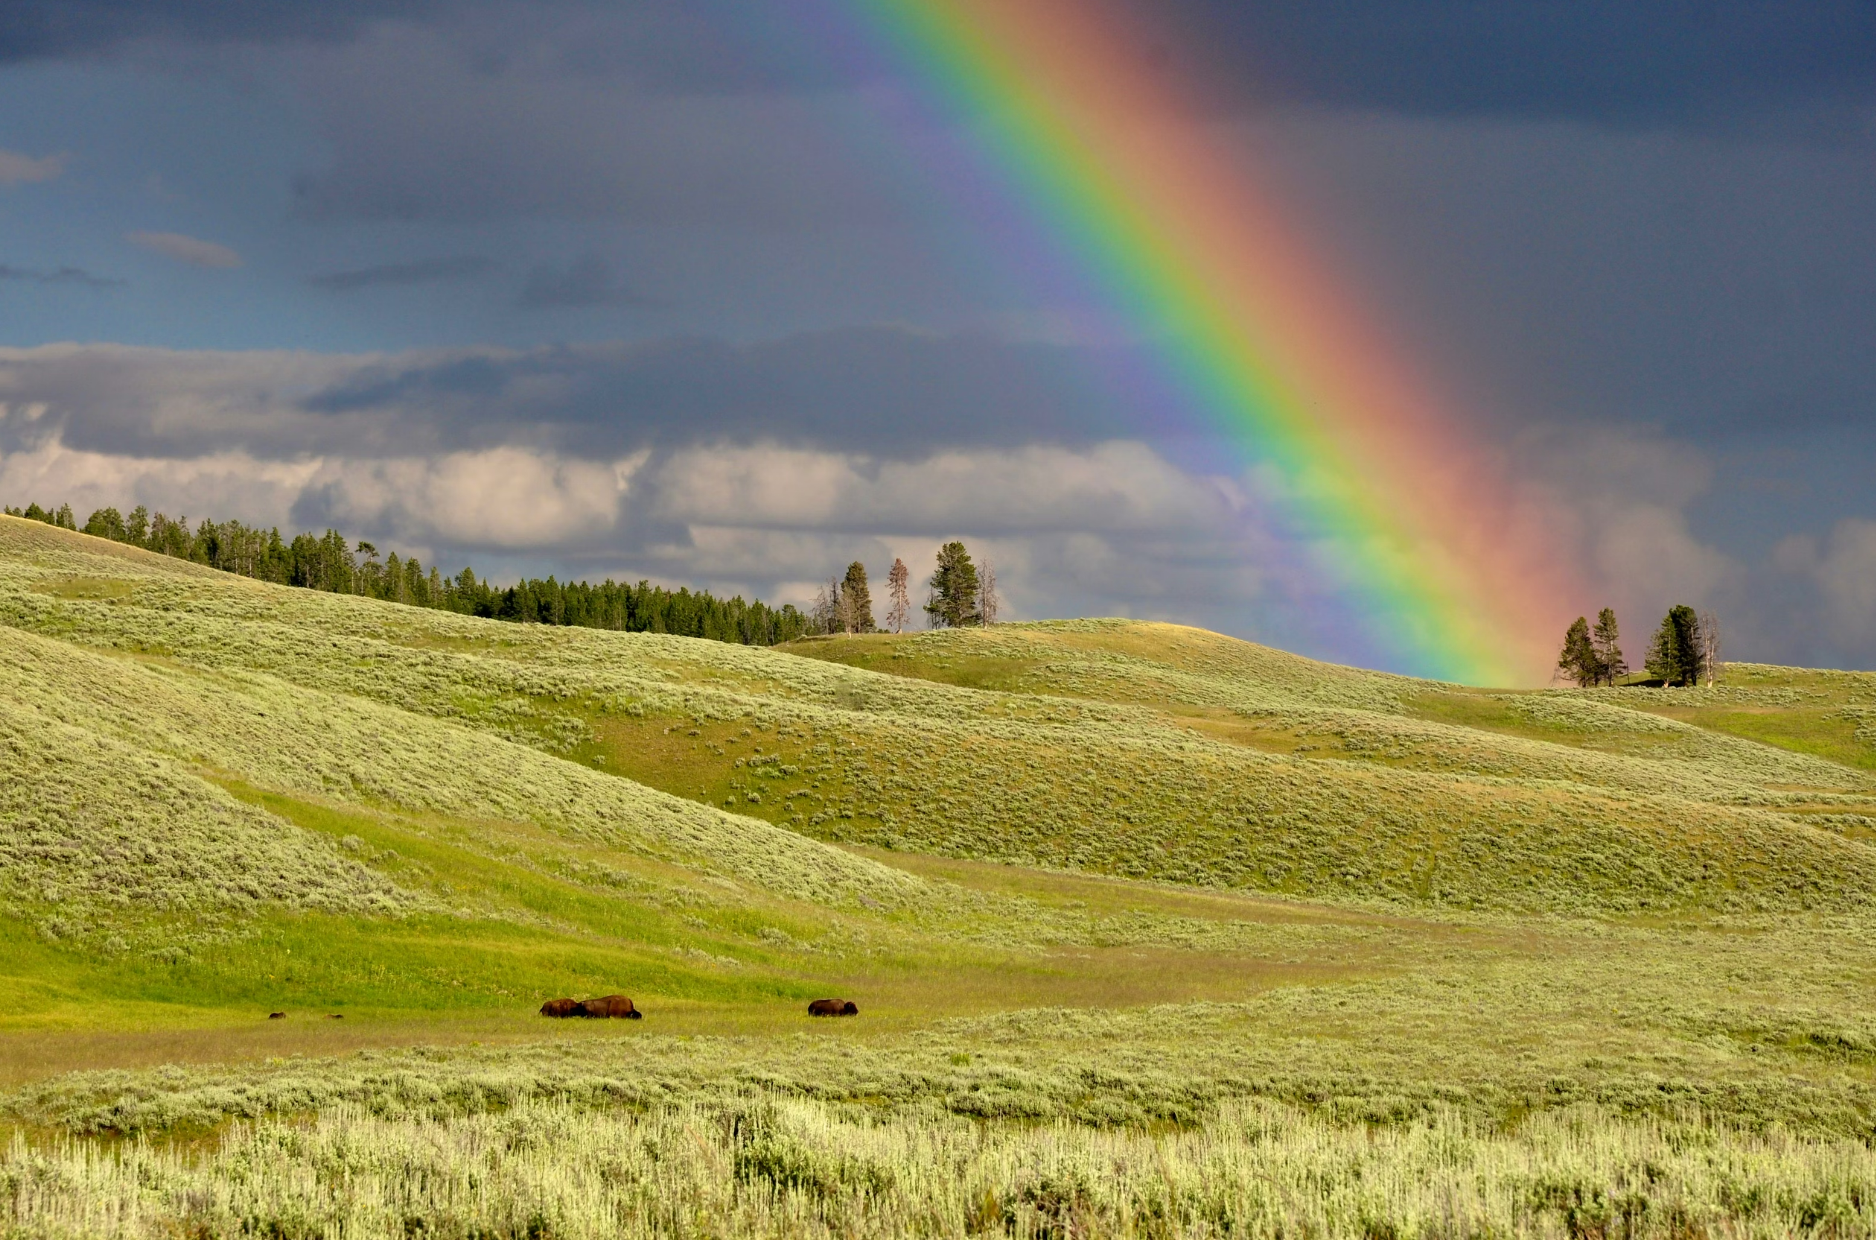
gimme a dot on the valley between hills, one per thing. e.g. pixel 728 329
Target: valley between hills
pixel 1151 931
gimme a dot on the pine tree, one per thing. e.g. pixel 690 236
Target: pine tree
pixel 106 523
pixel 857 600
pixel 1676 656
pixel 1608 642
pixel 1578 660
pixel 898 602
pixel 952 603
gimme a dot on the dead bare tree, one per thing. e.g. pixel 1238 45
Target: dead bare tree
pixel 987 600
pixel 825 615
pixel 1710 646
pixel 899 602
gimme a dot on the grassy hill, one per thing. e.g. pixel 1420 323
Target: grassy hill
pixel 1134 879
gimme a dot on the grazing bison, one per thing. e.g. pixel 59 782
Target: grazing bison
pixel 833 1007
pixel 611 1006
pixel 559 1007
pixel 276 1016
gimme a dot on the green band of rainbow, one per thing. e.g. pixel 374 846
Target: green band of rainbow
pixel 1418 536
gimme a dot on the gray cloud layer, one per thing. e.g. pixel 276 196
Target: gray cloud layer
pixel 874 390
pixel 432 453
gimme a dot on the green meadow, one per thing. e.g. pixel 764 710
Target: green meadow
pixel 1152 931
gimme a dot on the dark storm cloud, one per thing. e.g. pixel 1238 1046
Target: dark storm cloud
pixel 1606 61
pixel 58 275
pixel 865 390
pixel 1620 62
pixel 877 390
pixel 33 29
pixel 422 271
pixel 421 127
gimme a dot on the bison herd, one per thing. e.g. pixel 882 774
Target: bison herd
pixel 620 1007
pixel 610 1007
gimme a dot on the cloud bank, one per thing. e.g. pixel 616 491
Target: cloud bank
pixel 564 460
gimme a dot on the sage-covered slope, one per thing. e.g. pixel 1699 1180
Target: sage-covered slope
pixel 1141 750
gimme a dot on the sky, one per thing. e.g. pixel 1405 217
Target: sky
pixel 678 291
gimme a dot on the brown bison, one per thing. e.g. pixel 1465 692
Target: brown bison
pixel 833 1007
pixel 558 1007
pixel 616 1007
pixel 276 1016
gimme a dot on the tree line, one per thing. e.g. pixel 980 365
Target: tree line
pixel 330 563
pixel 959 594
pixel 1684 649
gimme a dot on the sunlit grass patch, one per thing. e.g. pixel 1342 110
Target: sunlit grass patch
pixel 761 1166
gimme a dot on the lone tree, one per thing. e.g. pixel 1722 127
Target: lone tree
pixel 898 602
pixel 1608 642
pixel 1578 660
pixel 953 599
pixel 856 601
pixel 1677 654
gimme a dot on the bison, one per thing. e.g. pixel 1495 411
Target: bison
pixel 558 1007
pixel 276 1016
pixel 833 1007
pixel 610 1006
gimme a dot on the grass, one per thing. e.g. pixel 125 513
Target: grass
pixel 804 1169
pixel 1152 931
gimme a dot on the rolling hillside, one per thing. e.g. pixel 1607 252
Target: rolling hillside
pixel 1112 875
pixel 1137 750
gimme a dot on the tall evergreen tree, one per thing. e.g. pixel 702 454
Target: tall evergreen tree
pixel 1676 655
pixel 106 523
pixel 953 589
pixel 1608 642
pixel 898 601
pixel 856 601
pixel 1578 659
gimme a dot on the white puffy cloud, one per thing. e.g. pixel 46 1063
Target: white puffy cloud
pixel 1116 486
pixel 1842 571
pixel 503 497
pixel 221 485
pixel 1619 496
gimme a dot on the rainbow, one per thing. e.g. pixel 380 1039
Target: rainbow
pixel 1446 570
